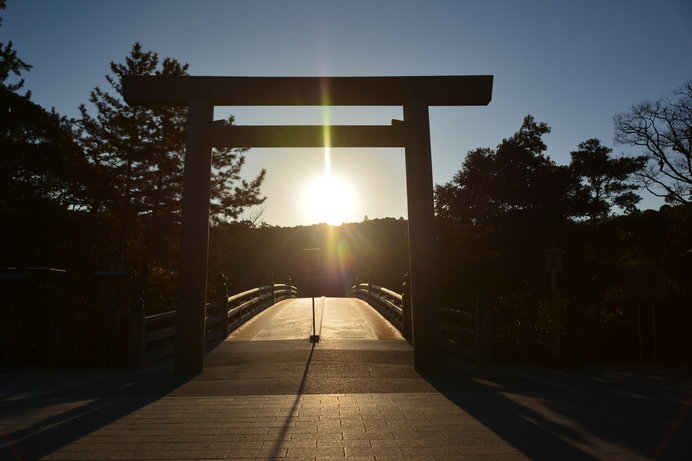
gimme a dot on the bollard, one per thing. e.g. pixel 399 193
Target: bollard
pixel 314 337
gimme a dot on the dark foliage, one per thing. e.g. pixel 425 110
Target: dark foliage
pixel 508 204
pixel 603 182
pixel 42 175
pixel 138 153
pixel 100 193
pixel 375 250
pixel 516 180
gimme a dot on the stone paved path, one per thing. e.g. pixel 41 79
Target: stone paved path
pixel 346 398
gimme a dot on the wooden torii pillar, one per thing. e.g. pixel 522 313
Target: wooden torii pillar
pixel 414 94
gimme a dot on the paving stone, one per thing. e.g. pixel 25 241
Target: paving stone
pixel 429 451
pixel 195 454
pixel 343 443
pixel 405 458
pixel 373 451
pixel 85 455
pixel 369 435
pixel 397 443
pixel 308 443
pixel 314 452
pixel 263 437
pixel 245 445
pixel 352 458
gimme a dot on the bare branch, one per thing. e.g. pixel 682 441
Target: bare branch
pixel 664 130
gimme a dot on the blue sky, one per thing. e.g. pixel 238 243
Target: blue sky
pixel 570 64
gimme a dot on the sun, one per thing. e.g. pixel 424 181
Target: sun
pixel 329 199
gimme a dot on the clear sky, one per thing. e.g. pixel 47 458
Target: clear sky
pixel 572 64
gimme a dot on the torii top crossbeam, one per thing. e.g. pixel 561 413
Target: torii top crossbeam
pixel 447 90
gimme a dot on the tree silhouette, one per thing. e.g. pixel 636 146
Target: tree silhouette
pixel 41 173
pixel 515 179
pixel 10 63
pixel 603 182
pixel 664 129
pixel 139 152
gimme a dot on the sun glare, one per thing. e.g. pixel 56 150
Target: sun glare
pixel 328 199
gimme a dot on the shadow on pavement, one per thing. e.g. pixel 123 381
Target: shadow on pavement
pixel 73 413
pixel 578 416
pixel 276 451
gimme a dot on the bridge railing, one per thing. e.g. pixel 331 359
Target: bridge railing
pixel 152 338
pixel 466 334
pixel 385 301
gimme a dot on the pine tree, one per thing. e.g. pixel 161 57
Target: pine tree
pixel 603 182
pixel 139 152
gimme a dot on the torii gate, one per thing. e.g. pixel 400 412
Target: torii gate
pixel 201 94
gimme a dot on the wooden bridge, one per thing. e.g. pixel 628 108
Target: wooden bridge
pixel 275 312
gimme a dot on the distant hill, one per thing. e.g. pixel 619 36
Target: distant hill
pixel 375 250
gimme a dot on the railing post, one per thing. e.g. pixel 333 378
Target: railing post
pixel 271 289
pixel 222 300
pixel 110 292
pixel 136 333
pixel 370 297
pixel 406 309
pixel 290 286
pixel 56 296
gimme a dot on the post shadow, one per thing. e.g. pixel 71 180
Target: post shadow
pixel 275 449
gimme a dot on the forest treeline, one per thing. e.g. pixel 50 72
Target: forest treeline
pixel 101 191
pixel 507 205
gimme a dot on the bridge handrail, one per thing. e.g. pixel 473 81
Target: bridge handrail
pixel 465 333
pixel 385 301
pixel 152 338
pixel 388 292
